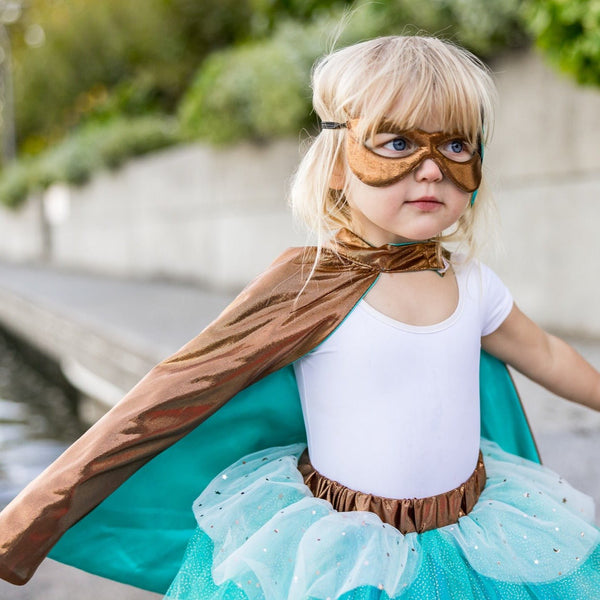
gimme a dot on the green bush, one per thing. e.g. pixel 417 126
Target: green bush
pixel 485 27
pixel 17 182
pixel 79 156
pixel 70 161
pixel 104 58
pixel 257 91
pixel 261 90
pixel 569 34
pixel 125 138
pixel 89 48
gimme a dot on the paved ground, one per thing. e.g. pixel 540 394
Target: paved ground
pixel 160 314
pixel 165 315
pixel 54 581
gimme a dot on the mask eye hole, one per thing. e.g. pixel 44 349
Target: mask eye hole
pixel 457 150
pixel 391 145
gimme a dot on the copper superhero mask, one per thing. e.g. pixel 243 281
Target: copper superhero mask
pixel 391 155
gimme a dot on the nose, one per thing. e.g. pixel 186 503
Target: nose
pixel 428 170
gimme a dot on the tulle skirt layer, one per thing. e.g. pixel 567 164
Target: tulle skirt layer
pixel 262 535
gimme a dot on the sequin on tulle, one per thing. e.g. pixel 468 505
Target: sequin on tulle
pixel 262 535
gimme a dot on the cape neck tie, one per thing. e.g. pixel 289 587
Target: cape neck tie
pixel 390 258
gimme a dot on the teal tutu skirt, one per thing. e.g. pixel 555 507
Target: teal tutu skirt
pixel 263 535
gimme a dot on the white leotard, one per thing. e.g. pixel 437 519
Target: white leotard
pixel 393 409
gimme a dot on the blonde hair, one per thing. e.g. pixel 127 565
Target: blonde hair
pixel 405 79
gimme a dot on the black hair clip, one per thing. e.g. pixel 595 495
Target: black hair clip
pixel 332 125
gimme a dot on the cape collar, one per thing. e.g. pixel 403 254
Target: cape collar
pixel 418 256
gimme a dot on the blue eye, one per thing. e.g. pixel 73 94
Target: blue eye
pixel 456 146
pixel 399 144
pixel 394 147
pixel 457 150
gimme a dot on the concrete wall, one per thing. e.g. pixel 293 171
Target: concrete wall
pixel 22 232
pixel 185 213
pixel 545 163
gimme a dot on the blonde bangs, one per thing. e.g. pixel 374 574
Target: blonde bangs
pixel 408 81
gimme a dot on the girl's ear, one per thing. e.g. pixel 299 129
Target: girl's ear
pixel 338 177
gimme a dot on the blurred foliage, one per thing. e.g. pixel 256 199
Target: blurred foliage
pixel 93 50
pixel 101 58
pixel 260 90
pixel 267 14
pixel 17 182
pixel 256 91
pixel 86 151
pixel 569 34
pixel 485 27
pixel 86 70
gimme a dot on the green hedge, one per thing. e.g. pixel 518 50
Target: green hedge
pixel 124 56
pixel 568 32
pixel 87 151
pixel 89 48
pixel 261 90
pixel 257 91
pixel 486 27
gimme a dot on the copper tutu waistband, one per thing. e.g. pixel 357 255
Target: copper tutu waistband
pixel 408 515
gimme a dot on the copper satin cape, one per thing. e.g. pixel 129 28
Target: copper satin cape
pixel 140 516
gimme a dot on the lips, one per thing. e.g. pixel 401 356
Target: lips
pixel 425 203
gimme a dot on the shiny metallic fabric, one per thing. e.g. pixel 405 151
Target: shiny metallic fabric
pixel 278 318
pixel 380 171
pixel 407 515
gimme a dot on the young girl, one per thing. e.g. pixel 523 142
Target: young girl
pixel 376 334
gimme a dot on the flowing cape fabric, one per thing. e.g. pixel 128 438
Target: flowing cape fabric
pixel 123 491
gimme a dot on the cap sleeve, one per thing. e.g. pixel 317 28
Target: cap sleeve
pixel 496 301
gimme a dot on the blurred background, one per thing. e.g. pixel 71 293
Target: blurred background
pixel 145 153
